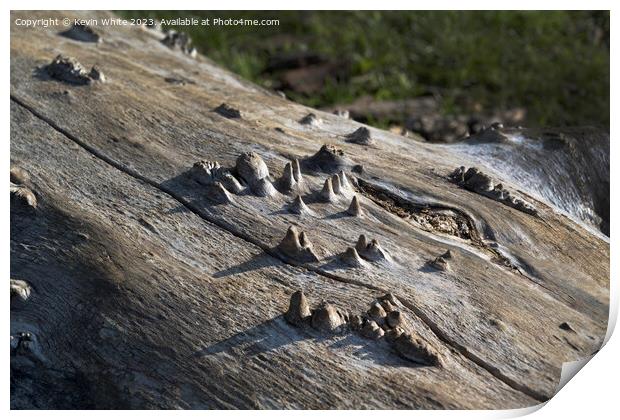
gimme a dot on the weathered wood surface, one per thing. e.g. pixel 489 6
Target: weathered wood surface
pixel 148 293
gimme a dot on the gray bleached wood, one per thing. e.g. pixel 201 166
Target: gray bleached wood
pixel 181 298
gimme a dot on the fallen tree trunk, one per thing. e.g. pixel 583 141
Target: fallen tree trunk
pixel 157 283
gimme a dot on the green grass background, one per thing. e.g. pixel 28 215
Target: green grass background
pixel 555 64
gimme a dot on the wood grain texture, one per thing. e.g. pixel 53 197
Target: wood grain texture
pixel 148 293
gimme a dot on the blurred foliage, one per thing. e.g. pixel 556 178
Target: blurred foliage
pixel 555 64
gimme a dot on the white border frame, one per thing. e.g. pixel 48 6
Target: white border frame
pixel 593 394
